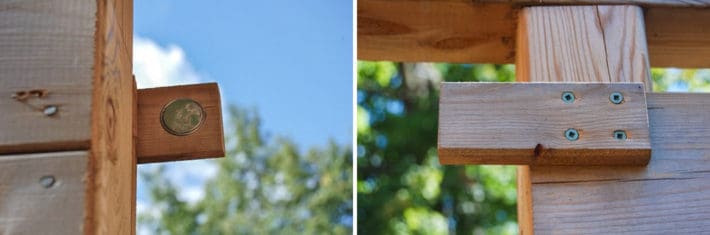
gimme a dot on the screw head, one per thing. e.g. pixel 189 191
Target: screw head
pixel 619 135
pixel 50 110
pixel 47 181
pixel 568 97
pixel 572 134
pixel 616 98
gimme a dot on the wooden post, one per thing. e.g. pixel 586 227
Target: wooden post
pixel 576 44
pixel 111 174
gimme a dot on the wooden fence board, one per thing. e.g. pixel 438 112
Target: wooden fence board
pixel 45 46
pixel 28 207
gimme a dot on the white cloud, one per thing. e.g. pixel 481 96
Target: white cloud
pixel 155 65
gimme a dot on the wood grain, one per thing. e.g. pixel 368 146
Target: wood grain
pixel 678 37
pixel 525 124
pixel 45 45
pixel 157 145
pixel 647 3
pixel 110 181
pixel 669 196
pixel 562 64
pixel 462 31
pixel 27 207
pixel 452 31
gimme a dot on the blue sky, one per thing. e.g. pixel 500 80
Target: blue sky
pixel 292 60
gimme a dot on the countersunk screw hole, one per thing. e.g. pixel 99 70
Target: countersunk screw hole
pixel 47 181
pixel 616 98
pixel 568 97
pixel 619 135
pixel 572 134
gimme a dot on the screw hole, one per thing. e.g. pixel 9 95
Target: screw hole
pixel 568 97
pixel 616 98
pixel 620 135
pixel 47 181
pixel 572 134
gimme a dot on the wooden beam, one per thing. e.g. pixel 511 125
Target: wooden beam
pixel 576 44
pixel 45 62
pixel 461 31
pixel 110 181
pixel 42 193
pixel 155 144
pixel 669 196
pixel 646 3
pixel 543 124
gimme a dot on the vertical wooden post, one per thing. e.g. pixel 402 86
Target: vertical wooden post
pixel 110 190
pixel 576 44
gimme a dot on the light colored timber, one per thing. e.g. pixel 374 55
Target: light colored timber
pixel 649 3
pixel 110 181
pixel 462 31
pixel 29 207
pixel 569 40
pixel 45 47
pixel 157 145
pixel 525 124
pixel 669 196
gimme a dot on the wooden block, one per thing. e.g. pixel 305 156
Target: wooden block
pixel 669 196
pixel 155 144
pixel 526 123
pixel 463 31
pixel 42 193
pixel 45 46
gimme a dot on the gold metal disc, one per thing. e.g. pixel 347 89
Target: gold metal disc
pixel 182 116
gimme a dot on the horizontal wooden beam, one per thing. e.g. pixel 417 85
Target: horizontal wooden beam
pixel 648 3
pixel 46 82
pixel 669 196
pixel 42 193
pixel 543 124
pixel 461 31
pixel 175 137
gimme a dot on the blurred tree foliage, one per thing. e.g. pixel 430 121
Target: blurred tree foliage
pixel 401 187
pixel 260 188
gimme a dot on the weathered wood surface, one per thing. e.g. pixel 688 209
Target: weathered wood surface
pixel 45 46
pixel 462 31
pixel 647 3
pixel 110 182
pixel 577 33
pixel 27 206
pixel 669 196
pixel 525 124
pixel 157 145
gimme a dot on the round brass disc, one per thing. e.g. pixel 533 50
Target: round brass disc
pixel 182 116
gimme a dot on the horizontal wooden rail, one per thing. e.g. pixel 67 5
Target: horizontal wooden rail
pixel 543 124
pixel 462 31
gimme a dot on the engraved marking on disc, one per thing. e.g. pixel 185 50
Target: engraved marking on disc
pixel 182 116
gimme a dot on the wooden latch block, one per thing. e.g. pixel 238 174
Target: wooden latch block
pixel 179 123
pixel 543 124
